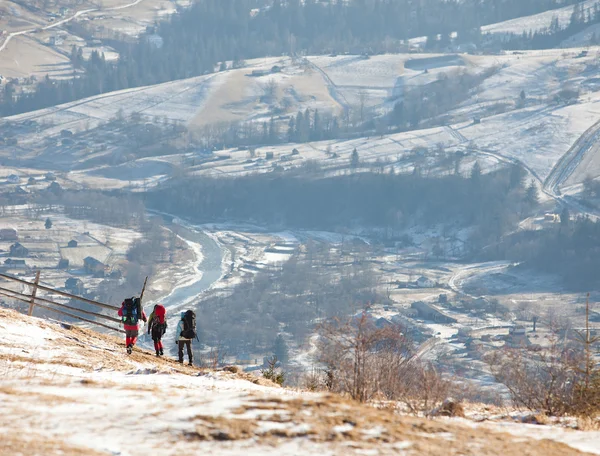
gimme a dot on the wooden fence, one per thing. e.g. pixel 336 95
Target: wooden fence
pixel 60 308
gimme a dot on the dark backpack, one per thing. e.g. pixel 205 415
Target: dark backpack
pixel 189 325
pixel 131 311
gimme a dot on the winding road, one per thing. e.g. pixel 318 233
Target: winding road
pixel 10 36
pixel 588 142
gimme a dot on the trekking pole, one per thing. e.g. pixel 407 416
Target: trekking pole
pixel 142 295
pixel 143 289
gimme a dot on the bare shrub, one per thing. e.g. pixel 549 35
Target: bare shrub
pixel 313 380
pixel 272 373
pixel 538 381
pixel 367 362
pixel 560 380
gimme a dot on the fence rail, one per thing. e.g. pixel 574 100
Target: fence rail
pixel 33 300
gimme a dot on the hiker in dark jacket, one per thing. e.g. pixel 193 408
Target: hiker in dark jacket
pixel 157 325
pixel 186 333
pixel 131 319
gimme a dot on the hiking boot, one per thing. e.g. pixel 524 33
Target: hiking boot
pixel 161 352
pixel 157 353
pixel 190 364
pixel 180 361
pixel 129 349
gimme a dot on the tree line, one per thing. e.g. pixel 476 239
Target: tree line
pixel 553 35
pixel 570 249
pixel 486 202
pixel 209 33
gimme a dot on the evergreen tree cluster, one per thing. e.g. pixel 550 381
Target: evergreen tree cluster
pixel 210 33
pixel 554 34
pixel 570 249
pixel 374 200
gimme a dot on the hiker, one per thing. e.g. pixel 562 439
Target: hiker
pixel 130 312
pixel 186 329
pixel 157 325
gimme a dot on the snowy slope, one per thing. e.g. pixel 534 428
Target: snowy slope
pixel 537 21
pixel 76 392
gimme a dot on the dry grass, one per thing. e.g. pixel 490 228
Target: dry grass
pixel 30 444
pixel 538 418
pixel 47 399
pixel 588 424
pixel 330 418
pixel 218 428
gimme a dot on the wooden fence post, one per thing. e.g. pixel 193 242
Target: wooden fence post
pixel 32 302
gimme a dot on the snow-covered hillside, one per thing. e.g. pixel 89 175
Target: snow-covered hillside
pixel 65 390
pixel 516 112
pixel 538 21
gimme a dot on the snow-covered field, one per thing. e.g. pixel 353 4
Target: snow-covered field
pixel 513 114
pixel 76 392
pixel 537 22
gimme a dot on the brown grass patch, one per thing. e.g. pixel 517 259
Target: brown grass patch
pixel 588 424
pixel 54 361
pixel 219 428
pixel 47 399
pixel 36 445
pixel 330 419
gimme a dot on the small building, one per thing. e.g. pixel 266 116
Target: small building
pixel 72 243
pixel 55 188
pixel 18 250
pixel 63 263
pixel 55 40
pixel 14 264
pixel 13 179
pixel 8 234
pixel 93 266
pixel 428 312
pixel 74 285
pixel 424 282
pixel 258 73
pixel 243 358
pixel 517 337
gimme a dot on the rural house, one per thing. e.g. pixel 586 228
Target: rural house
pixel 11 263
pixel 72 243
pixel 93 266
pixel 74 285
pixel 517 337
pixel 17 250
pixel 13 179
pixel 428 312
pixel 63 263
pixel 424 282
pixel 8 234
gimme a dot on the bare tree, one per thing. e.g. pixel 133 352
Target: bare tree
pixel 365 361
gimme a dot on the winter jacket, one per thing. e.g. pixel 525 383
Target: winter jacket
pixel 131 327
pixel 179 329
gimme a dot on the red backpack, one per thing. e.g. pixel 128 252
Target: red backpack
pixel 160 313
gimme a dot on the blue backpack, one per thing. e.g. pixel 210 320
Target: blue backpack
pixel 131 311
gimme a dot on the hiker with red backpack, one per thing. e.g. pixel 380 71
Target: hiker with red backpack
pixel 186 329
pixel 131 312
pixel 157 325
